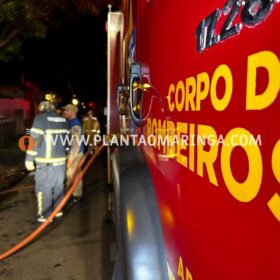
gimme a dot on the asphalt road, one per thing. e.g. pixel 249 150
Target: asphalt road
pixel 79 246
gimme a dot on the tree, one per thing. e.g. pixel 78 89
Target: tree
pixel 20 19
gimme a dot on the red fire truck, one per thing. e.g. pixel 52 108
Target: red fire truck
pixel 197 196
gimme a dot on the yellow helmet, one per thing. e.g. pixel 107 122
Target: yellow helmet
pixel 51 97
pixel 49 102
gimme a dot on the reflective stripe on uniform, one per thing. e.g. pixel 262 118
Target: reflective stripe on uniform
pixel 50 160
pixel 48 145
pixel 37 130
pixel 56 119
pixel 49 140
pixel 57 131
pixel 40 203
pixel 32 153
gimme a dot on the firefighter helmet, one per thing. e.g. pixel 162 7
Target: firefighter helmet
pixel 49 102
pixel 51 97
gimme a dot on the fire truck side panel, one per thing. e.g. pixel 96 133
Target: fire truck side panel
pixel 219 203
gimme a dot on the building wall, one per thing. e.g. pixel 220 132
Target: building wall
pixel 14 118
pixel 9 107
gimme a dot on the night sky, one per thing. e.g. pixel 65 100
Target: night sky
pixel 71 60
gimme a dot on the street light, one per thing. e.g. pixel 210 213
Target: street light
pixel 75 101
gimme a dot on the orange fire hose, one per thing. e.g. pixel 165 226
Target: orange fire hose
pixel 57 209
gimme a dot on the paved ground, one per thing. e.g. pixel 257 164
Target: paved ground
pixel 77 247
pixel 11 166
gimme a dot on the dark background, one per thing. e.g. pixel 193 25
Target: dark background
pixel 70 60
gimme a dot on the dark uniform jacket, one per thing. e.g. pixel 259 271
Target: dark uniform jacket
pixel 50 131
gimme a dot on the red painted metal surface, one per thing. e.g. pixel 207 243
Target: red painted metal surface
pixel 114 33
pixel 220 206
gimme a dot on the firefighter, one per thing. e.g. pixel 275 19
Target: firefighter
pixel 91 127
pixel 76 149
pixel 49 153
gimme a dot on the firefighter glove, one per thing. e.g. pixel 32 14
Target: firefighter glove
pixel 29 165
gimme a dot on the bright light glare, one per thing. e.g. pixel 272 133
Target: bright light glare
pixel 75 101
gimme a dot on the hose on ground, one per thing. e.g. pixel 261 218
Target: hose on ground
pixel 78 176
